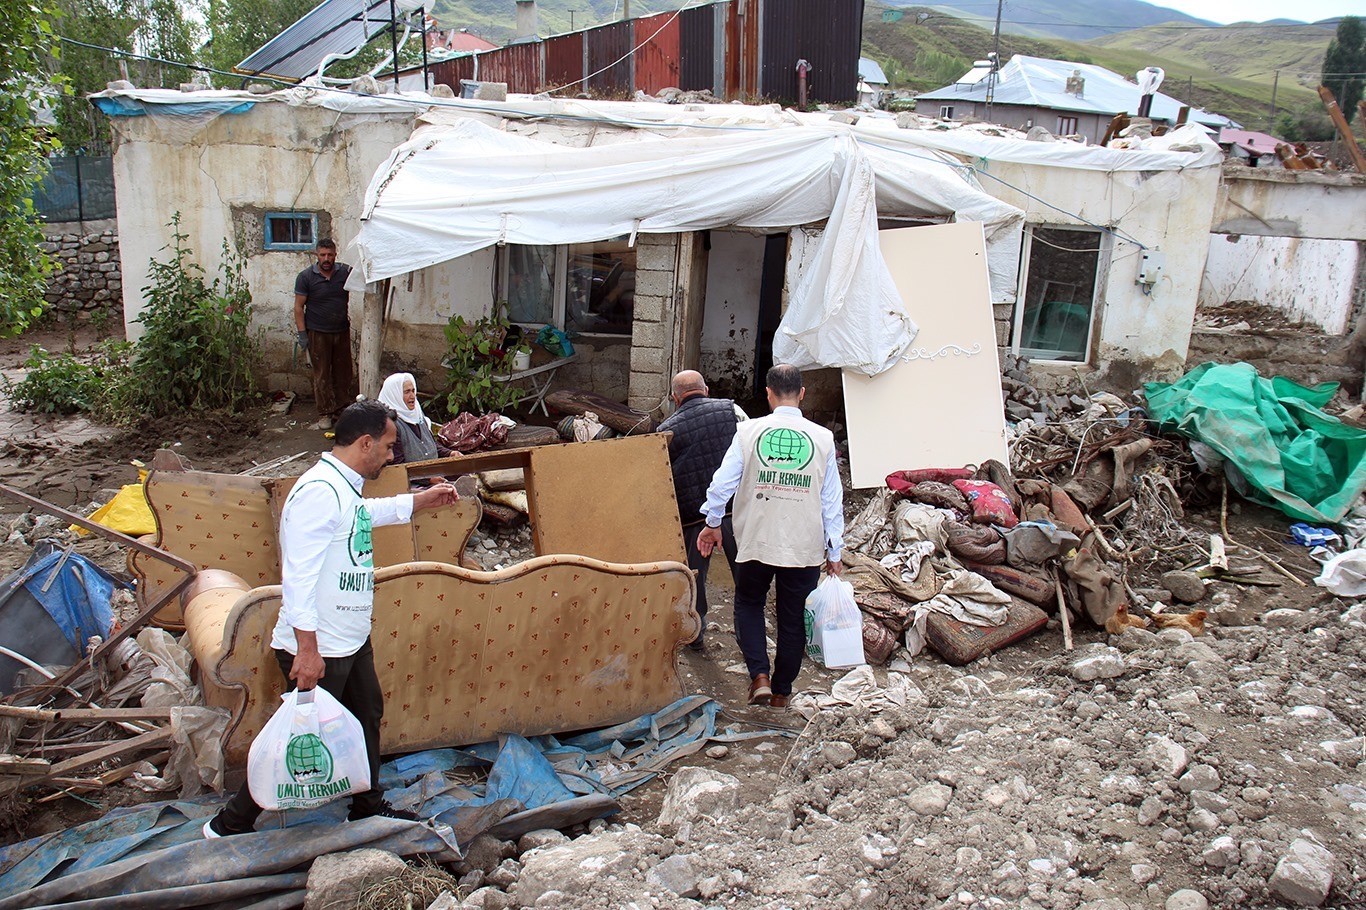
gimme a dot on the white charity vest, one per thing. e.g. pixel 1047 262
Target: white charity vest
pixel 778 517
pixel 345 591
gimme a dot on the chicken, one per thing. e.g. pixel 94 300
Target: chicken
pixel 1122 620
pixel 1193 622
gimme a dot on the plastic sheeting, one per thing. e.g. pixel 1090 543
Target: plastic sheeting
pixel 457 188
pixel 51 608
pixel 1292 455
pixel 155 855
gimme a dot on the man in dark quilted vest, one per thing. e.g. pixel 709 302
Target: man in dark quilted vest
pixel 702 429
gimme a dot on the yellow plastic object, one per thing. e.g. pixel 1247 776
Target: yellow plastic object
pixel 127 512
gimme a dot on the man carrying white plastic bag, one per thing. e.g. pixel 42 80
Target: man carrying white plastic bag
pixel 789 519
pixel 322 638
pixel 310 753
pixel 834 625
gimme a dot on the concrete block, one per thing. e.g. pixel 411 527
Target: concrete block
pixel 646 360
pixel 649 307
pixel 655 282
pixel 647 335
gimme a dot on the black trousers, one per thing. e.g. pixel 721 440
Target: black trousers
pixel 752 581
pixel 355 684
pixel 699 563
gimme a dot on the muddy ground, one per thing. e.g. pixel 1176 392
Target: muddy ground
pixel 1111 777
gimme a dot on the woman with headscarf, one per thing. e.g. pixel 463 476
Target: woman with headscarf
pixel 415 440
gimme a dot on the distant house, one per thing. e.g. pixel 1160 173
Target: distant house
pixel 872 82
pixel 1067 99
pixel 1251 148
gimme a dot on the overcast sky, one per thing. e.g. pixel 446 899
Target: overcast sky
pixel 1260 10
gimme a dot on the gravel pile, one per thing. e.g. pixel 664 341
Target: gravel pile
pixel 1139 771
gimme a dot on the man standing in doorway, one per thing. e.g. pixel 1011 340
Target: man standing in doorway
pixel 322 637
pixel 702 428
pixel 324 326
pixel 789 518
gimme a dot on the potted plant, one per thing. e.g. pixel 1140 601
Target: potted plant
pixel 476 352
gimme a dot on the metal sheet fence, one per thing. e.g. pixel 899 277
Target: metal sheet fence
pixel 76 188
pixel 736 48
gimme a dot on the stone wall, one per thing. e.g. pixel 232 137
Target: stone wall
pixel 652 330
pixel 88 276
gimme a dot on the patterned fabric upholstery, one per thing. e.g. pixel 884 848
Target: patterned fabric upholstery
pixel 555 643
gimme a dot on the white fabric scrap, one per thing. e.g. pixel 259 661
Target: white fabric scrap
pixel 1345 574
pixel 967 597
pixel 917 521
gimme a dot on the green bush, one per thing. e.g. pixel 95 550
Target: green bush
pixel 66 384
pixel 197 351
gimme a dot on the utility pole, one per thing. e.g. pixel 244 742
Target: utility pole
pixel 1275 82
pixel 995 59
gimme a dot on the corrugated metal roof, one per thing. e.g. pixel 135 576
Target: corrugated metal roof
pixel 1252 141
pixel 1039 82
pixel 331 27
pixel 871 72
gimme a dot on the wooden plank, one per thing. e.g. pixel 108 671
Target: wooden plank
pixel 113 750
pixel 73 715
pixel 1344 130
pixel 611 499
pixel 18 764
pixel 953 378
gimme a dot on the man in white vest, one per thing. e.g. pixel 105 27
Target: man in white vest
pixel 322 637
pixel 789 519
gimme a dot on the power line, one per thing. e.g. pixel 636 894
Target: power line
pixel 647 124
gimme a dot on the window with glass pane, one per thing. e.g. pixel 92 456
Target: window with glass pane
pixel 1060 285
pixel 600 287
pixel 531 284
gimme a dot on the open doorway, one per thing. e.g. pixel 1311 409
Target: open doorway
pixel 744 300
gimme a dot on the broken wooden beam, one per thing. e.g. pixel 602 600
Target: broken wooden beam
pixel 150 740
pixel 1344 129
pixel 83 715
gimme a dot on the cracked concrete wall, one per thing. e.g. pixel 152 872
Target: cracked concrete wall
pixel 222 176
pixel 1168 211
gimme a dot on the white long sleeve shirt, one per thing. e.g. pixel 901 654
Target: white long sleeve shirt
pixel 727 479
pixel 327 566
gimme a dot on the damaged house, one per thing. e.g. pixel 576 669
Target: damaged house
pixel 710 236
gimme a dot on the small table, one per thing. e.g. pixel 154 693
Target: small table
pixel 539 387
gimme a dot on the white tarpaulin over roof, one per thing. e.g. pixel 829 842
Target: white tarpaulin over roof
pixel 455 188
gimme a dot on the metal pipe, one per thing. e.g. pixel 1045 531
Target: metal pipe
pixel 393 38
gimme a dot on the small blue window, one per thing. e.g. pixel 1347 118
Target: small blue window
pixel 291 230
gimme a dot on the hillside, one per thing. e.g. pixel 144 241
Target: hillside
pixel 1066 19
pixel 925 49
pixel 1241 52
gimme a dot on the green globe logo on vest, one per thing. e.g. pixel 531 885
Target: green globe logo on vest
pixel 783 452
pixel 309 763
pixel 361 548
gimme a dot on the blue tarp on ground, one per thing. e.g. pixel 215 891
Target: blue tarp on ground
pixel 151 855
pixel 51 608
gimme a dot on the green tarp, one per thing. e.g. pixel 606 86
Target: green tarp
pixel 1295 457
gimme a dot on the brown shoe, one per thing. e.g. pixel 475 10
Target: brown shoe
pixel 779 701
pixel 759 691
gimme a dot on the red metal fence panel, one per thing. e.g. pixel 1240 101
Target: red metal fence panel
pixel 658 55
pixel 564 62
pixel 450 72
pixel 519 65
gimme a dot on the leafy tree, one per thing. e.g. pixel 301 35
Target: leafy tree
pixel 239 27
pixel 26 43
pixel 108 23
pixel 1343 64
pixel 940 68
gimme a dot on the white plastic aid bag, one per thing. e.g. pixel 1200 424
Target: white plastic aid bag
pixel 310 752
pixel 834 625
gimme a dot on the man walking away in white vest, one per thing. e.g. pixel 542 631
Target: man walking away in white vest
pixel 322 637
pixel 789 518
